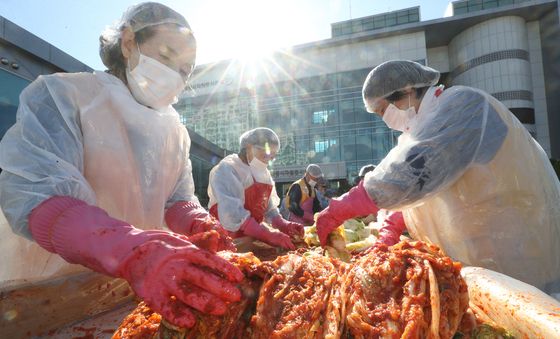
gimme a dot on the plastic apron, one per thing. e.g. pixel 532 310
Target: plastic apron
pixel 133 157
pixel 135 175
pixel 256 202
pixel 509 224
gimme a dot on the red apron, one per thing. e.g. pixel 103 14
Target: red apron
pixel 256 202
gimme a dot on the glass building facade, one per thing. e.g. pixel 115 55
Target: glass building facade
pixel 373 22
pixel 320 119
pixel 310 94
pixel 468 6
pixel 201 171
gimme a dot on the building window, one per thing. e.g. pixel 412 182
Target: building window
pixel 323 145
pixel 466 6
pixel 321 117
pixel 368 24
pixel 391 19
pixel 400 17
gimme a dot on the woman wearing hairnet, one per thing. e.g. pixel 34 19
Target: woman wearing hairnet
pixel 96 161
pixel 465 173
pixel 242 193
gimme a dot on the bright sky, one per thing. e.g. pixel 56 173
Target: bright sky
pixel 224 28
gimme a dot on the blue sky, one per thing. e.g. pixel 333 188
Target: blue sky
pixel 224 28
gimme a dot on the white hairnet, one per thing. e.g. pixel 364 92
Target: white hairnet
pixel 136 17
pixel 147 14
pixel 395 75
pixel 259 136
pixel 314 170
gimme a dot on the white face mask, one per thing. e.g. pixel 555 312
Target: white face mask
pixel 398 119
pixel 153 84
pixel 257 165
pixel 312 183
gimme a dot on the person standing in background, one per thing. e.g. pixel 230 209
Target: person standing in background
pixel 301 199
pixel 362 173
pixel 242 193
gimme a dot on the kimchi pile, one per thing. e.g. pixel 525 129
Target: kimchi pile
pixel 409 290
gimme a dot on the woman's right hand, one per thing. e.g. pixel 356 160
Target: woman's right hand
pixel 173 275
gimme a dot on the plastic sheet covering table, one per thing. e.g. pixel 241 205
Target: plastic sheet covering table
pixel 45 308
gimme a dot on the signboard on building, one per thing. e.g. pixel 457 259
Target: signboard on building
pixel 334 170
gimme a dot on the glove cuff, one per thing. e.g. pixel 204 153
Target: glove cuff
pixel 356 202
pixel 87 235
pixel 392 228
pixel 176 216
pixel 366 203
pixel 43 218
pixel 396 222
pixel 277 221
pixel 251 228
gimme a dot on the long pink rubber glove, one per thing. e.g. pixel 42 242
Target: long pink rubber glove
pixel 355 202
pixel 163 268
pixel 287 227
pixel 260 232
pixel 391 229
pixel 187 217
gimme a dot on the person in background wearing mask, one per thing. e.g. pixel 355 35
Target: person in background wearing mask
pixel 362 173
pixel 465 173
pixel 97 161
pixel 366 219
pixel 242 193
pixel 301 199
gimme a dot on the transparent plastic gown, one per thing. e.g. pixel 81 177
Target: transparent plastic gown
pixel 228 182
pixel 470 178
pixel 83 135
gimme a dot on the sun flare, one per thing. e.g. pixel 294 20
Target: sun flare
pixel 248 30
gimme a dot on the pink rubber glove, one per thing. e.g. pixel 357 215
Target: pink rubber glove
pixel 208 240
pixel 352 204
pixel 287 227
pixel 187 217
pixel 163 268
pixel 308 218
pixel 391 229
pixel 260 232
